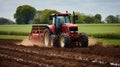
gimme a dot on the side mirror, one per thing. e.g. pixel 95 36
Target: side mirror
pixel 50 17
pixel 75 17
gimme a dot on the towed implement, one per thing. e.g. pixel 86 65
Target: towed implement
pixel 61 33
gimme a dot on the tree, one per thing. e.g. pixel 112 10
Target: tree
pixel 97 18
pixel 111 19
pixel 36 19
pixel 118 18
pixel 44 18
pixel 24 14
pixel 88 19
pixel 80 17
pixel 5 21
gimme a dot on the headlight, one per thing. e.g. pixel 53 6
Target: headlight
pixel 76 31
pixel 73 31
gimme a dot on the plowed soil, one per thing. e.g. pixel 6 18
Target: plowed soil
pixel 13 55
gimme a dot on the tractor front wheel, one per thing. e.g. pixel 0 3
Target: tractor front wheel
pixel 47 37
pixel 64 41
pixel 83 41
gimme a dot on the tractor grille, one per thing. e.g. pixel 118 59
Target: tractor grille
pixel 73 29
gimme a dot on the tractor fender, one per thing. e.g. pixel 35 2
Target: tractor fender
pixel 51 28
pixel 82 34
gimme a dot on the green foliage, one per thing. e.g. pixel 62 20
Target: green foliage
pixel 45 15
pixel 24 14
pixel 117 18
pixel 111 19
pixel 5 21
pixel 82 18
pixel 36 19
pixel 88 19
pixel 97 18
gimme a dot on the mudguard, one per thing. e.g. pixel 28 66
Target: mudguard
pixel 51 28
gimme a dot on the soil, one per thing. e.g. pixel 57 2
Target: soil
pixel 97 55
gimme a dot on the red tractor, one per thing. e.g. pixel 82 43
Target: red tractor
pixel 62 32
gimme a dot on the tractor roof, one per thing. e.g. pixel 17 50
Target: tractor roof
pixel 61 14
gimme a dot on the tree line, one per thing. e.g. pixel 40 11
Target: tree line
pixel 27 14
pixel 5 21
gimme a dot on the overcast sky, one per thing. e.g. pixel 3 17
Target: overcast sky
pixel 103 7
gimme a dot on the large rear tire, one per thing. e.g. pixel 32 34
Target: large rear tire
pixel 65 41
pixel 47 35
pixel 56 42
pixel 83 41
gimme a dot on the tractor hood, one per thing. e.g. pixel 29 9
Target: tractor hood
pixel 72 29
pixel 70 25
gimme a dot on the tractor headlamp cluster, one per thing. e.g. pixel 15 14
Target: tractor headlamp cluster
pixel 73 32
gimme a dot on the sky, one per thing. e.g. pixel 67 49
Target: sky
pixel 88 7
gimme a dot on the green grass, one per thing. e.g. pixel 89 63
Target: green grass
pixel 110 41
pixel 13 37
pixel 15 29
pixel 111 31
pixel 22 30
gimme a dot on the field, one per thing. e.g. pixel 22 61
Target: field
pixel 105 33
pixel 110 31
pixel 15 29
pixel 14 55
pixel 16 50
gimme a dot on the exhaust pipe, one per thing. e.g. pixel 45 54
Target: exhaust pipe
pixel 75 17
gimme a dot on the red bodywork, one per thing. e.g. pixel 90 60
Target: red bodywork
pixel 66 29
pixel 37 31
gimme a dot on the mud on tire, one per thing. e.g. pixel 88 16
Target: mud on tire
pixel 56 42
pixel 65 41
pixel 83 40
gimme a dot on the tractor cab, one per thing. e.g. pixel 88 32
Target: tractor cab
pixel 62 23
pixel 60 18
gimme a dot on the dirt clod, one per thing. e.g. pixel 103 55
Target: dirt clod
pixel 34 56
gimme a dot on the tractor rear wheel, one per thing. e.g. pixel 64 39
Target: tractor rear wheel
pixel 83 41
pixel 64 41
pixel 47 35
pixel 56 42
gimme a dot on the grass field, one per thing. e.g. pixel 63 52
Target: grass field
pixel 15 29
pixel 109 41
pixel 107 31
pixel 99 28
pixel 14 37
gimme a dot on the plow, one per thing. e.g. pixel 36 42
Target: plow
pixel 37 32
pixel 61 33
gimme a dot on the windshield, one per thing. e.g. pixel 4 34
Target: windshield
pixel 63 19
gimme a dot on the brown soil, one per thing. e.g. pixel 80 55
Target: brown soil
pixel 12 55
